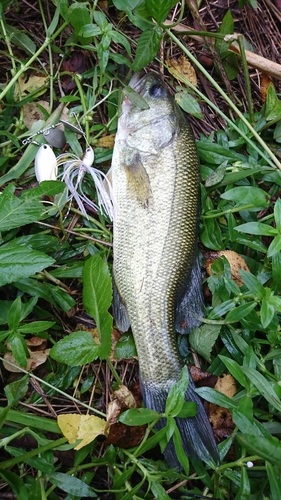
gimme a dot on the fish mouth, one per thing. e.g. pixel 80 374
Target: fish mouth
pixel 140 80
pixel 136 80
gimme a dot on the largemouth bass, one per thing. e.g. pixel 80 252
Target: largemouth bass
pixel 155 180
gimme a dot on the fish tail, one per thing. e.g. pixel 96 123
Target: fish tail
pixel 196 432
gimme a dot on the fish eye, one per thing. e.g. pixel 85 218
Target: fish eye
pixel 157 90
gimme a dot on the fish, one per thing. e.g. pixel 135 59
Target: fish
pixel 157 283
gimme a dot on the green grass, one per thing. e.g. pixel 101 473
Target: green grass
pixel 55 269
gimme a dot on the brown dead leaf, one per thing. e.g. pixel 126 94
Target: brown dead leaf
pixel 36 342
pixel 121 434
pixel 180 68
pixel 36 358
pixel 221 418
pixel 265 83
pixel 76 63
pixel 202 378
pixel 237 263
pixel 226 385
pixel 121 400
pixel 31 112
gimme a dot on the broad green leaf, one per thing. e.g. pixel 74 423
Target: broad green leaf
pixel 268 449
pixel 277 130
pixel 232 177
pixel 71 485
pixel 189 409
pixel 97 297
pixel 36 327
pixel 275 301
pixel 263 386
pixel 21 40
pixel 19 349
pixel 242 422
pixel 215 154
pixel 226 28
pixel 188 103
pixel 267 312
pixel 147 48
pixel 17 262
pixel 134 97
pixel 55 20
pixel 202 339
pixel 275 246
pixel 117 37
pixel 14 315
pixel 235 369
pixel 221 309
pixel 245 406
pixel 123 4
pixel 62 298
pixel 16 212
pixel 76 349
pixel 120 479
pixel 252 283
pixel 79 16
pixel 97 289
pixel 16 484
pixel 33 421
pixel 273 474
pixel 176 395
pixel 15 391
pixel 237 313
pixel 216 176
pixel 125 347
pixel 105 332
pixel 181 454
pixel 158 491
pixel 152 442
pixel 53 294
pixel 216 397
pixel 90 30
pixel 71 270
pixel 138 416
pixel 159 9
pixel 4 415
pixel 255 197
pixel 277 214
pixel 256 228
pixel 245 488
pixel 133 492
pixel 211 234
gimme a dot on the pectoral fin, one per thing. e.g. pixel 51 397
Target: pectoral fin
pixel 190 307
pixel 119 310
pixel 138 180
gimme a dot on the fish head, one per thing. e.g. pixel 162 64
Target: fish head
pixel 157 121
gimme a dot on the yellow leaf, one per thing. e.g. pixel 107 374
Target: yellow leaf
pixel 85 427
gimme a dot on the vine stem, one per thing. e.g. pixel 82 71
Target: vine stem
pixel 255 134
pixel 25 66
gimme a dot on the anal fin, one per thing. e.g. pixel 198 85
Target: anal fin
pixel 190 308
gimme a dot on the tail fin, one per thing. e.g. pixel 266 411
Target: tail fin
pixel 196 432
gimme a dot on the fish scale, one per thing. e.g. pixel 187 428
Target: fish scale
pixel 156 182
